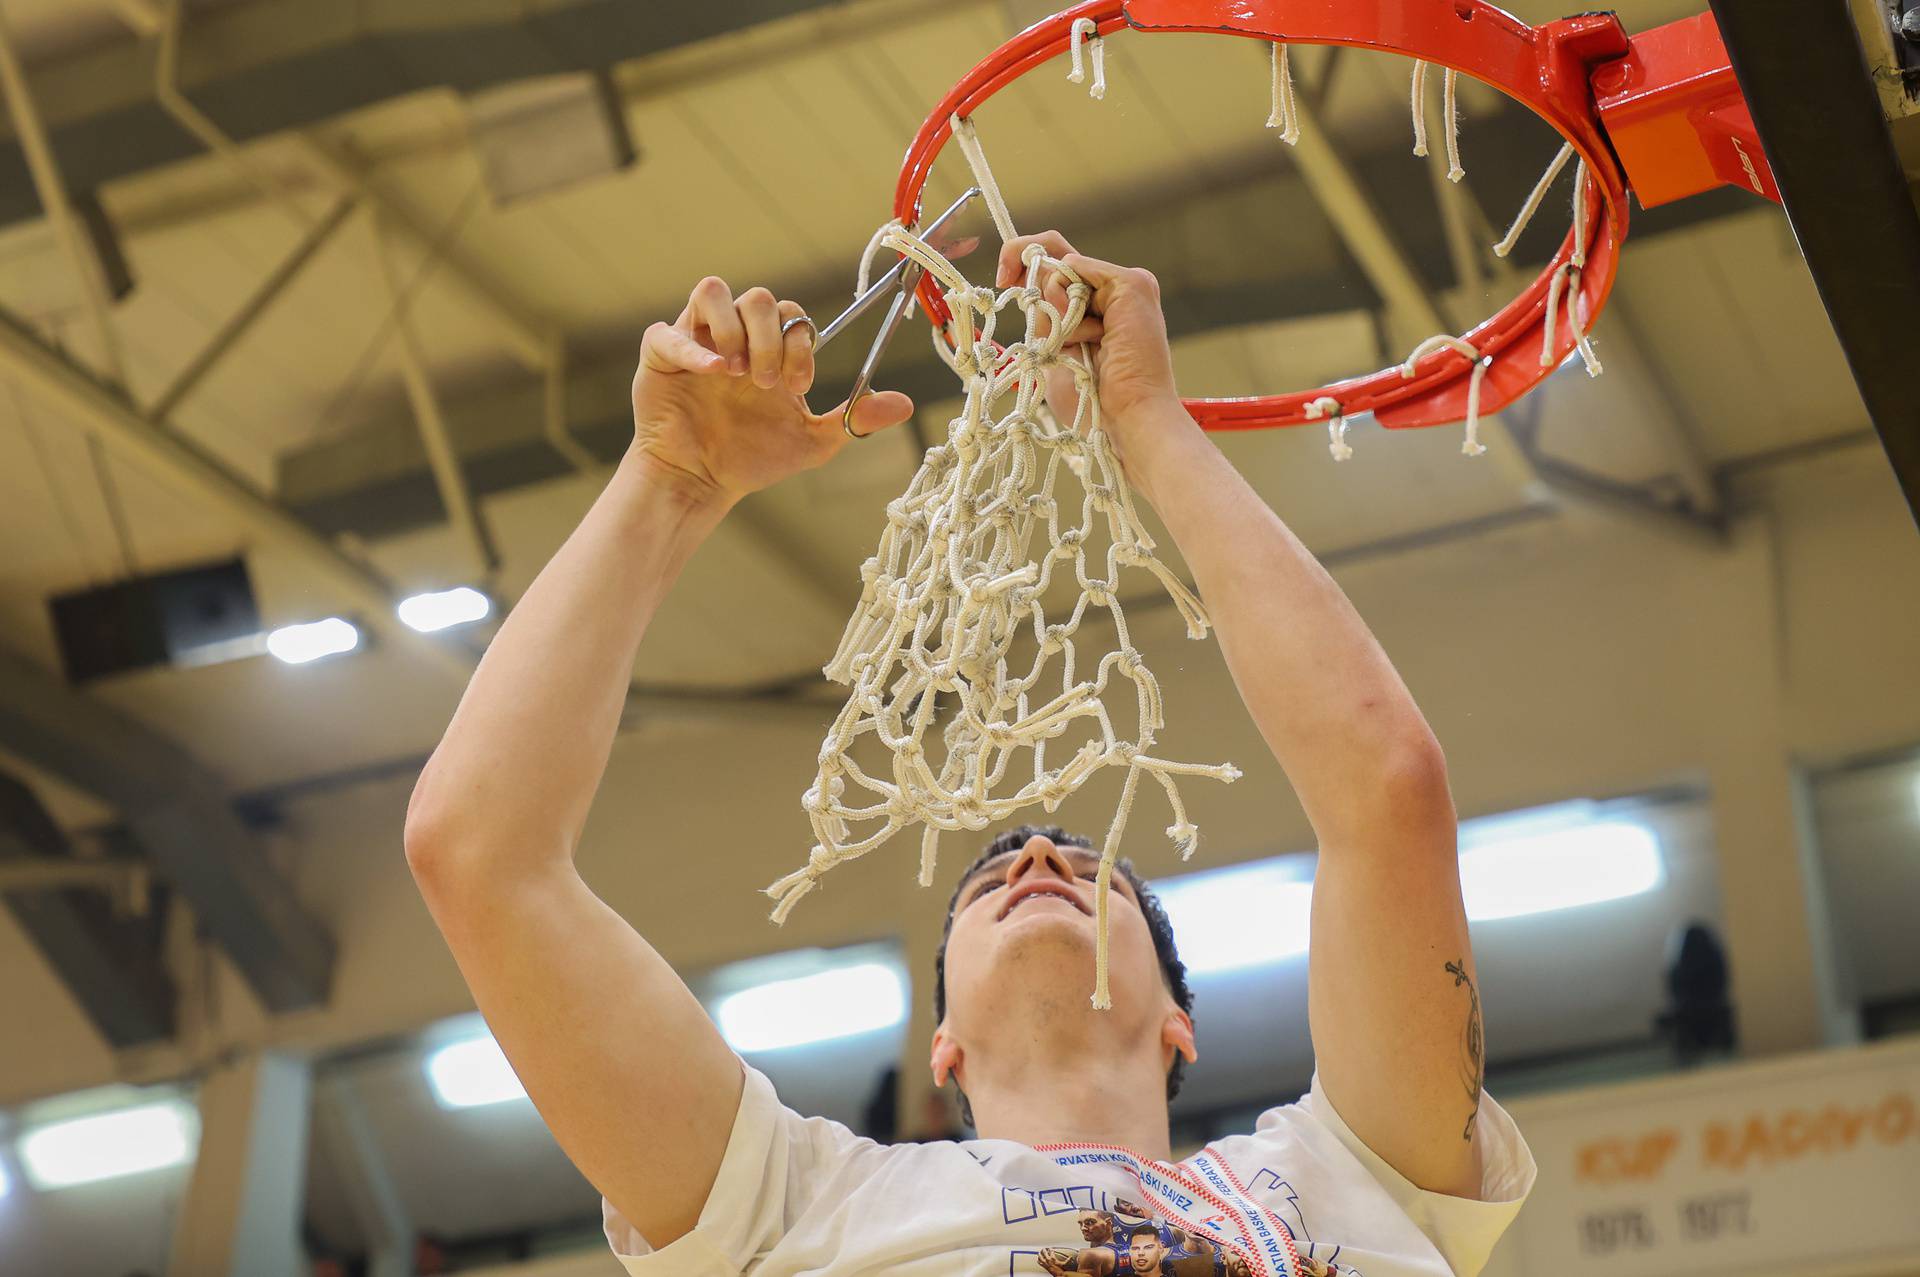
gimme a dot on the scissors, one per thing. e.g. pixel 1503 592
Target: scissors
pixel 901 280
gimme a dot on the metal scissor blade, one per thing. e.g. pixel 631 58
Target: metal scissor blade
pixel 890 281
pixel 909 280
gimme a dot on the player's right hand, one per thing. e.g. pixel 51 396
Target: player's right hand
pixel 718 404
pixel 1123 323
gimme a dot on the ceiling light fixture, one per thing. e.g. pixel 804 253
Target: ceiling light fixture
pixel 1548 869
pixel 836 1003
pixel 443 609
pixel 84 1150
pixel 298 644
pixel 472 1073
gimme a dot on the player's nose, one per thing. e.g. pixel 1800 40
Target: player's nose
pixel 1040 855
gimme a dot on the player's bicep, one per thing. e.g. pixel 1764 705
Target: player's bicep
pixel 1394 1007
pixel 620 1059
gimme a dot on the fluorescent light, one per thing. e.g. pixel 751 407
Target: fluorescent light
pixel 82 1150
pixel 1533 861
pixel 837 1003
pixel 297 644
pixel 471 1073
pixel 1548 869
pixel 1243 916
pixel 442 608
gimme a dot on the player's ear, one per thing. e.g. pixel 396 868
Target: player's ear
pixel 1176 1031
pixel 946 1056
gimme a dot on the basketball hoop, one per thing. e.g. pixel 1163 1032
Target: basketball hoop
pixel 958 578
pixel 1548 69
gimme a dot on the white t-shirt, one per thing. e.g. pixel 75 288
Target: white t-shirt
pixel 805 1195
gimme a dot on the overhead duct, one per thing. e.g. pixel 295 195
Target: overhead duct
pixel 546 134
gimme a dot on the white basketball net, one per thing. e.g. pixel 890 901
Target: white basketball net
pixel 955 583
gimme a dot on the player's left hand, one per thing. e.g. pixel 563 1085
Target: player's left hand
pixel 1126 330
pixel 1057 1261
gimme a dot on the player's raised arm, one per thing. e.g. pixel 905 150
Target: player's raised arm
pixel 618 1056
pixel 1393 1002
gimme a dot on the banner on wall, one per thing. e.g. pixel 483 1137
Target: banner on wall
pixel 1806 1164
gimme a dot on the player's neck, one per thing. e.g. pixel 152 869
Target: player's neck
pixel 1044 1091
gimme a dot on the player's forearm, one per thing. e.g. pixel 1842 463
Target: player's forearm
pixel 1322 692
pixel 517 769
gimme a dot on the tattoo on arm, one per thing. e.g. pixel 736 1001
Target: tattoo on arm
pixel 1473 1060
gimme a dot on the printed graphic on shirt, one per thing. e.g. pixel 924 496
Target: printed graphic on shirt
pixel 1127 1240
pixel 1200 1220
pixel 1317 1258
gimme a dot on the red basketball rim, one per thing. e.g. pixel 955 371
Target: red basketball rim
pixel 1547 69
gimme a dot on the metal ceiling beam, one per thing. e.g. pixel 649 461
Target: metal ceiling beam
pixel 1468 230
pixel 456 494
pixel 1821 121
pixel 533 338
pixel 50 188
pixel 375 481
pixel 82 402
pixel 271 66
pixel 144 16
pixel 177 811
pixel 1358 220
pixel 263 296
pixel 109 959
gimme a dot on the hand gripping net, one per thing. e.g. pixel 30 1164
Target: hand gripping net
pixel 955 583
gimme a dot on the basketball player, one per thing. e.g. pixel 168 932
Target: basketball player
pixel 1155 1255
pixel 1105 1254
pixel 1393 1153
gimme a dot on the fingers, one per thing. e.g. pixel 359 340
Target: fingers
pixel 667 348
pixel 743 335
pixel 1114 287
pixel 1111 282
pixel 760 316
pixel 876 411
pixel 1090 329
pixel 796 363
pixel 1011 268
pixel 711 307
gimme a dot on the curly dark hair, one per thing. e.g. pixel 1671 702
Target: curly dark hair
pixel 1174 970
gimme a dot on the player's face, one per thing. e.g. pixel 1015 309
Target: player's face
pixel 1147 1251
pixel 1094 1227
pixel 1025 920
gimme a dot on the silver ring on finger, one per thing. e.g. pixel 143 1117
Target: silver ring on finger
pixel 813 329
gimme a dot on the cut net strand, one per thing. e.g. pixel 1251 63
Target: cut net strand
pixel 1452 96
pixel 1082 29
pixel 1283 116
